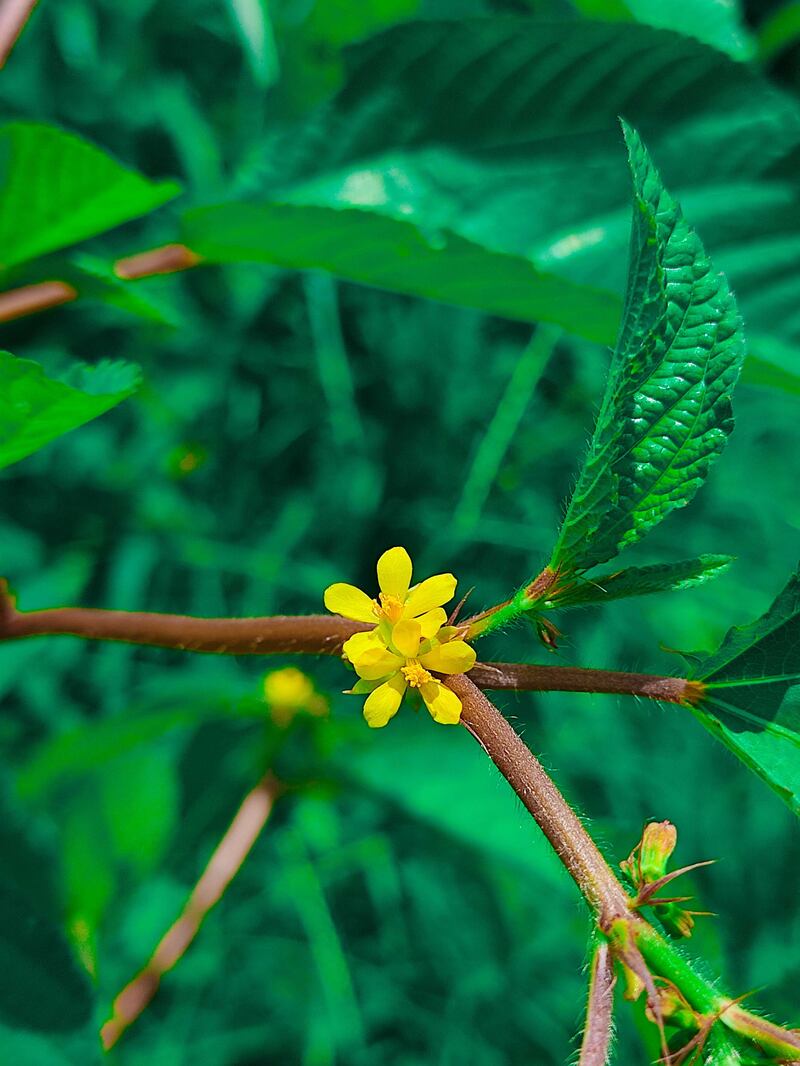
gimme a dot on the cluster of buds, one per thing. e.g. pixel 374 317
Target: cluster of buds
pixel 646 870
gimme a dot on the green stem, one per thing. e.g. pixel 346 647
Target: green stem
pixel 526 375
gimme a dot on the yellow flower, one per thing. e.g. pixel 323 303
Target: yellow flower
pixel 396 599
pixel 409 643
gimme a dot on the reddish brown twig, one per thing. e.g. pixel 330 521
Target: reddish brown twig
pixel 309 634
pixel 13 16
pixel 31 298
pixel 28 299
pixel 222 867
pixel 168 259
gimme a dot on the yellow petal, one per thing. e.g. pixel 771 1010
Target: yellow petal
pixel 355 646
pixel 350 602
pixel 383 702
pixel 443 704
pixel 406 637
pixel 432 622
pixel 454 658
pixel 377 662
pixel 430 593
pixel 394 572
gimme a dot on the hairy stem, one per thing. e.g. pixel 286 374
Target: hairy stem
pixel 596 881
pixel 524 677
pixel 559 823
pixel 597 1032
pixel 311 635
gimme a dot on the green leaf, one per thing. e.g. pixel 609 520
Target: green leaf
pixel 534 172
pixel 56 189
pixel 717 23
pixel 440 776
pixel 398 255
pixel 35 409
pixel 41 985
pixel 641 581
pixel 666 414
pixel 751 698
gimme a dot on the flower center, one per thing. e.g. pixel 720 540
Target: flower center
pixel 390 607
pixel 415 674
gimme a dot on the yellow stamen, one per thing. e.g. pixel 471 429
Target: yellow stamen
pixel 415 674
pixel 390 607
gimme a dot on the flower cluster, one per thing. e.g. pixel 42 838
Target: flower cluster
pixel 410 640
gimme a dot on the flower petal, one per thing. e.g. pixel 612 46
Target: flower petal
pixel 432 622
pixel 443 704
pixel 377 662
pixel 383 702
pixel 355 646
pixel 432 592
pixel 456 657
pixel 350 602
pixel 394 572
pixel 406 636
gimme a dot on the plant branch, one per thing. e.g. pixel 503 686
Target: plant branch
pixel 13 16
pixel 599 886
pixel 525 677
pixel 224 864
pixel 309 634
pixel 598 1029
pixel 28 299
pixel 16 303
pixel 559 823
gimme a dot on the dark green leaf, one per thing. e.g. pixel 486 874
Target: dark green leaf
pixel 41 985
pixel 35 409
pixel 666 413
pixel 641 581
pixel 56 189
pixel 751 700
pixel 364 246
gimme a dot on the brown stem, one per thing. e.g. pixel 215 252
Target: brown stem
pixel 168 259
pixel 28 299
pixel 597 1032
pixel 31 298
pixel 230 853
pixel 13 16
pixel 522 676
pixel 559 823
pixel 310 634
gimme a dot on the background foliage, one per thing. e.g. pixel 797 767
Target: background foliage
pixel 294 424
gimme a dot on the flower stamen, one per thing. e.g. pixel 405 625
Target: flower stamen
pixel 390 607
pixel 415 674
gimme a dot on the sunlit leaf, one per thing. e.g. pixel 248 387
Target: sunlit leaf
pixel 391 254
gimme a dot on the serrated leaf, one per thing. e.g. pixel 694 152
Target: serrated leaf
pixel 535 172
pixel 642 581
pixel 392 254
pixel 751 700
pixel 56 189
pixel 666 414
pixel 35 409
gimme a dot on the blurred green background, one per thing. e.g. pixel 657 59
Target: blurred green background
pixel 398 908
